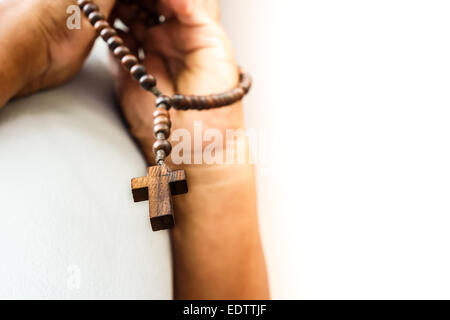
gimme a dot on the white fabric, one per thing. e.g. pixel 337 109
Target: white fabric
pixel 68 225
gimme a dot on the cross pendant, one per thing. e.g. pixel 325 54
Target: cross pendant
pixel 158 187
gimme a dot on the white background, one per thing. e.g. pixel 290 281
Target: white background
pixel 355 94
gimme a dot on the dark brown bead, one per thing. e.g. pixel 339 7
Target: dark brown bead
pixel 129 61
pixel 175 100
pixel 227 97
pixel 161 128
pixel 121 51
pixel 162 145
pixel 95 16
pixel 188 100
pixel 137 71
pixel 223 99
pixel 82 3
pixel 100 25
pixel 161 112
pixel 108 33
pixel 162 120
pixel 240 93
pixel 202 103
pixel 147 82
pixel 89 8
pixel 211 102
pixel 114 42
pixel 233 96
pixel 245 83
pixel 217 100
pixel 164 101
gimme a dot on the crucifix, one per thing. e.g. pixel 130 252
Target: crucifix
pixel 158 186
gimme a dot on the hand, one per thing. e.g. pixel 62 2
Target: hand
pixel 217 251
pixel 189 54
pixel 44 51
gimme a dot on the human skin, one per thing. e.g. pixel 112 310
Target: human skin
pixel 216 244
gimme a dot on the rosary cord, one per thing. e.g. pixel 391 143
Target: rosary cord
pixel 148 82
pixel 129 61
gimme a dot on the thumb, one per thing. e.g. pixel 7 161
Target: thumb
pixel 194 11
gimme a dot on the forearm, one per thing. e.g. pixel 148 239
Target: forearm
pixel 216 243
pixel 22 54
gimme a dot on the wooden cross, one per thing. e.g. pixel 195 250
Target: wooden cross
pixel 158 187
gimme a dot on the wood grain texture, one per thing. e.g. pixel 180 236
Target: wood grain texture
pixel 158 187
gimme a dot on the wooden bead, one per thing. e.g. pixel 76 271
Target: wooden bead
pixel 163 102
pixel 89 8
pixel 203 103
pixel 161 128
pixel 227 98
pixel 239 92
pixel 121 51
pixel 114 42
pixel 161 112
pixel 188 100
pixel 129 61
pixel 211 102
pixel 162 120
pixel 162 145
pixel 147 82
pixel 95 16
pixel 176 99
pixel 108 33
pixel 82 3
pixel 137 71
pixel 100 25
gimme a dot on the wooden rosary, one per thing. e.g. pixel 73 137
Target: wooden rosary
pixel 161 182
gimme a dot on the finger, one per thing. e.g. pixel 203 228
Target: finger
pixel 194 12
pixel 138 104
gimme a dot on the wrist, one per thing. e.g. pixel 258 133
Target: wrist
pixel 215 193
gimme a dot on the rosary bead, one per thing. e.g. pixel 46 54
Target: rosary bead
pixel 100 25
pixel 95 16
pixel 246 82
pixel 203 102
pixel 239 93
pixel 161 144
pixel 188 100
pixel 161 112
pixel 137 71
pixel 82 3
pixel 147 82
pixel 160 157
pixel 163 102
pixel 211 102
pixel 129 61
pixel 120 52
pixel 218 99
pixel 114 42
pixel 107 33
pixel 227 98
pixel 161 128
pixel 162 120
pixel 89 8
pixel 176 99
